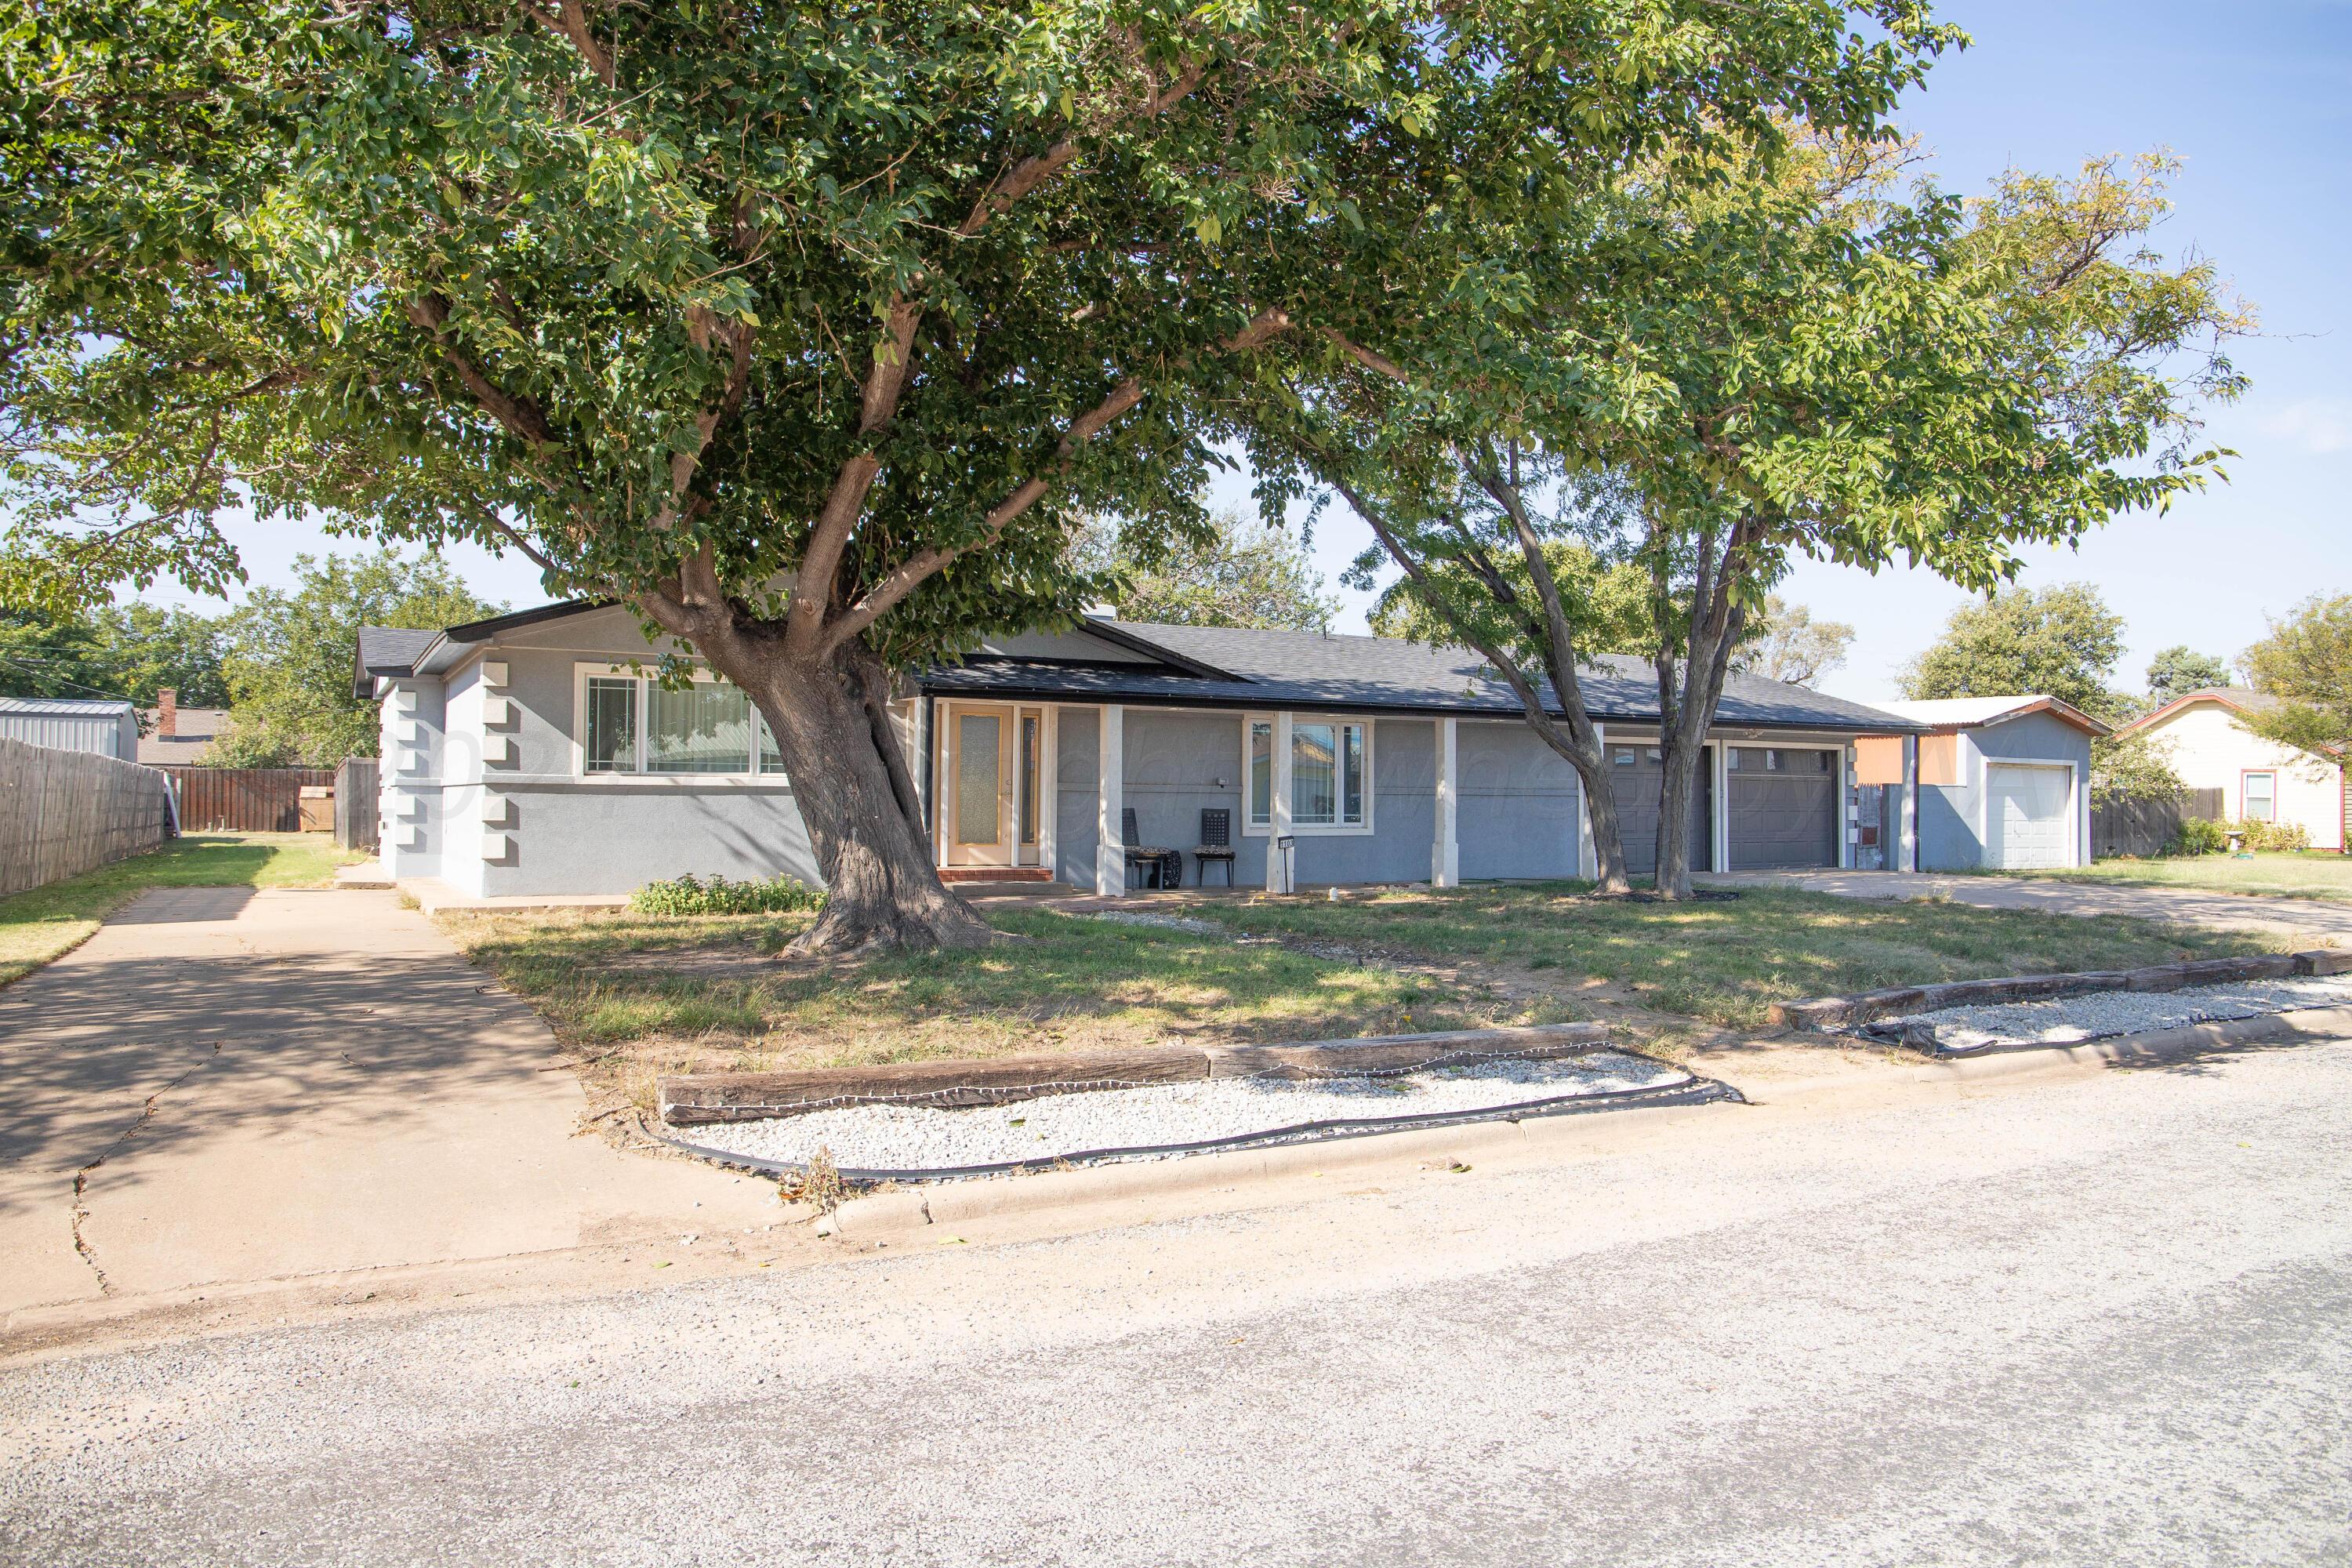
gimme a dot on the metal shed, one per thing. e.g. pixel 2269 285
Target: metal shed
pixel 109 728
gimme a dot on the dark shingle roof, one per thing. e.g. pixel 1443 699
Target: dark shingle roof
pixel 386 650
pixel 1307 669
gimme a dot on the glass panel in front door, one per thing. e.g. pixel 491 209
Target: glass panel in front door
pixel 979 742
pixel 1028 780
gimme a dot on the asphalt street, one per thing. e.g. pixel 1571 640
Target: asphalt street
pixel 2099 1321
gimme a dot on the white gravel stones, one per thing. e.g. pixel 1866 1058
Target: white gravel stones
pixel 2097 1014
pixel 1160 923
pixel 1039 1131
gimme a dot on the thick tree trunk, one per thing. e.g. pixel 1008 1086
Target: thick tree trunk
pixel 857 797
pixel 1683 746
pixel 1608 838
pixel 831 721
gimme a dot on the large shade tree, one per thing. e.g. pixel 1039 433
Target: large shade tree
pixel 808 331
pixel 1714 377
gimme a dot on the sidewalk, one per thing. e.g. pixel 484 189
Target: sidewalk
pixel 257 1085
pixel 2329 924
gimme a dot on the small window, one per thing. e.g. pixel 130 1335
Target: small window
pixel 1656 755
pixel 1261 768
pixel 771 760
pixel 1624 757
pixel 2262 797
pixel 609 737
pixel 1731 757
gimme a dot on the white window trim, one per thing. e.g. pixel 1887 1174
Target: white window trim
pixel 1308 829
pixel 644 680
pixel 2246 797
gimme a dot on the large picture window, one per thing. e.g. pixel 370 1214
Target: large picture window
pixel 1330 773
pixel 631 723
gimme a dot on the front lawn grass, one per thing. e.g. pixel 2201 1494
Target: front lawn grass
pixel 637 995
pixel 2301 874
pixel 1723 961
pixel 46 922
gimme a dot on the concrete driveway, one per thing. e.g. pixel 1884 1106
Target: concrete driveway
pixel 228 1087
pixel 2322 923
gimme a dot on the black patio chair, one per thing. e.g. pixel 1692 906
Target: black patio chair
pixel 1150 862
pixel 1216 847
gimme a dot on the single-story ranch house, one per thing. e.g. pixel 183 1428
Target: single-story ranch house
pixel 2259 780
pixel 536 754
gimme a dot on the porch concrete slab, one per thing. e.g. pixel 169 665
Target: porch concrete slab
pixel 262 1085
pixel 2316 921
pixel 434 896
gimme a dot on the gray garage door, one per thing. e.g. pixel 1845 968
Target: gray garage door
pixel 1637 776
pixel 1783 807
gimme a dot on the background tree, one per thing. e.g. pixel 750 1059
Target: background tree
pixel 290 655
pixel 130 651
pixel 2177 669
pixel 1609 604
pixel 1235 571
pixel 809 332
pixel 2060 642
pixel 2305 664
pixel 1788 644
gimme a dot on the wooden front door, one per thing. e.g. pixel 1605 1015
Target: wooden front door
pixel 979 763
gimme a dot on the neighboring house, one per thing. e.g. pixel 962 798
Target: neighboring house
pixel 103 725
pixel 2200 734
pixel 2004 783
pixel 177 735
pixel 526 755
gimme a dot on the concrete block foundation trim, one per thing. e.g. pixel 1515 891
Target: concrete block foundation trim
pixel 685 1099
pixel 1824 1013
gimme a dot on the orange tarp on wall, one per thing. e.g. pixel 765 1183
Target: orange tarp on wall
pixel 1878 760
pixel 1939 759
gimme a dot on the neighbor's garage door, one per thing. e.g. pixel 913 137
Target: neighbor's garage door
pixel 2028 820
pixel 1637 781
pixel 1782 804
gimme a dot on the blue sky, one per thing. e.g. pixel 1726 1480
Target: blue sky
pixel 2258 99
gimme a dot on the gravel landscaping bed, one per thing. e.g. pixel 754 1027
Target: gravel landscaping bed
pixel 891 1138
pixel 2097 1014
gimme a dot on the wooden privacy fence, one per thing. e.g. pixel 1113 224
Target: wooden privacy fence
pixel 243 800
pixel 355 804
pixel 64 812
pixel 2146 827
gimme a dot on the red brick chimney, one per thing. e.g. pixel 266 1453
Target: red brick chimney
pixel 167 711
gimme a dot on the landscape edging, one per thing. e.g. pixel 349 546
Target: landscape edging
pixel 1822 1013
pixel 689 1099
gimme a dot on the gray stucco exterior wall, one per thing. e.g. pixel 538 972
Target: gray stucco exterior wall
pixel 1521 807
pixel 1078 732
pixel 1948 813
pixel 613 834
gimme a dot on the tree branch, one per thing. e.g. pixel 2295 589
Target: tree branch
pixel 885 383
pixel 1267 324
pixel 569 19
pixel 522 417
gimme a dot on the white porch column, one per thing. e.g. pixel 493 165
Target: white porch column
pixel 1721 796
pixel 1445 852
pixel 1848 813
pixel 1110 793
pixel 1910 803
pixel 944 758
pixel 1277 827
pixel 1587 858
pixel 1049 790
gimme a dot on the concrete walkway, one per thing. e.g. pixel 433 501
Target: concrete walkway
pixel 2319 920
pixel 252 1086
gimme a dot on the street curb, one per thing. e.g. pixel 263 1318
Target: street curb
pixel 1826 1013
pixel 958 1202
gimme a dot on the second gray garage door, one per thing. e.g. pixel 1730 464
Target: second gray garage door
pixel 1782 807
pixel 1637 778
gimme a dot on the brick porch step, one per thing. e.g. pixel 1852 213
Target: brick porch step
pixel 995 874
